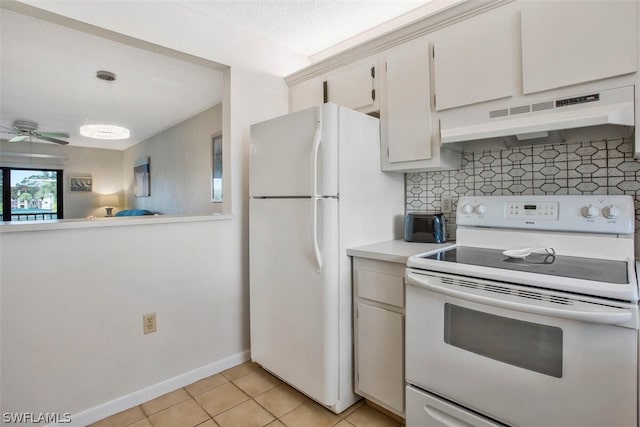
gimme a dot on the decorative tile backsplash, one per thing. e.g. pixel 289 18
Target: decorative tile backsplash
pixel 593 167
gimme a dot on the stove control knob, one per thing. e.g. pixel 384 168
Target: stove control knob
pixel 611 212
pixel 590 211
pixel 481 209
pixel 467 209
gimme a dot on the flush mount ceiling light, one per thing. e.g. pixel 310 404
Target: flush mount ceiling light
pixel 100 131
pixel 103 130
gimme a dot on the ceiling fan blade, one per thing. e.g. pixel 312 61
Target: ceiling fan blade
pixel 14 130
pixel 18 138
pixel 53 134
pixel 57 141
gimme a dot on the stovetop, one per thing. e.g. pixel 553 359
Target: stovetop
pixel 599 270
pixel 592 237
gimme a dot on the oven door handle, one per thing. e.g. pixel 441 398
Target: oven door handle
pixel 603 315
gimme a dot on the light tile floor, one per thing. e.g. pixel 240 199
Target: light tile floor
pixel 243 396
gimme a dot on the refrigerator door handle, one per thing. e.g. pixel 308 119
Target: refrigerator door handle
pixel 317 139
pixel 316 247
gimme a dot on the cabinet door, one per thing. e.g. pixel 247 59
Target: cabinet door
pixel 380 355
pixel 306 94
pixel 475 60
pixel 570 42
pixel 405 110
pixel 354 86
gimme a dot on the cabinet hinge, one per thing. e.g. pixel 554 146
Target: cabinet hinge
pixel 373 94
pixel 373 72
pixel 434 100
pixel 325 92
pixel 433 53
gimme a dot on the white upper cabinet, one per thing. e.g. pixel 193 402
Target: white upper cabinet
pixel 306 95
pixel 406 103
pixel 571 42
pixel 354 86
pixel 409 133
pixel 456 66
pixel 476 60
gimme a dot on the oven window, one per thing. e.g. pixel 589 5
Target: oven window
pixel 524 344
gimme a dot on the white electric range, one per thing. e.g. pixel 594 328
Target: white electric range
pixel 498 337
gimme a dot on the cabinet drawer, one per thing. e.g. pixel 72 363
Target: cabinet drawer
pixel 424 409
pixel 382 287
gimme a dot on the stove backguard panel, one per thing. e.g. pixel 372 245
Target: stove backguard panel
pixel 590 167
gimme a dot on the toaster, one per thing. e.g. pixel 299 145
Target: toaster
pixel 424 228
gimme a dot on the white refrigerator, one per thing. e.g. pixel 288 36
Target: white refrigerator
pixel 315 189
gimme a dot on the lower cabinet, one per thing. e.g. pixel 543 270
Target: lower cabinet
pixel 379 332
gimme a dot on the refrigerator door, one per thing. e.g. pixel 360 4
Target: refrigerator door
pixel 296 154
pixel 294 303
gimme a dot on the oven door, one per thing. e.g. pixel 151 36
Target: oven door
pixel 520 355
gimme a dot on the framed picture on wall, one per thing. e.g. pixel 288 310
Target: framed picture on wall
pixel 80 183
pixel 142 179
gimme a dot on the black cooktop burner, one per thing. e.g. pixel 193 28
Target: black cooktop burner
pixel 554 265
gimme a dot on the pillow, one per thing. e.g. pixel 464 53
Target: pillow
pixel 134 212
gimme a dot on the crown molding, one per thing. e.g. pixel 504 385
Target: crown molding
pixel 425 25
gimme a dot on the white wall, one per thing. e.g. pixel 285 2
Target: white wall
pixel 104 166
pixel 180 167
pixel 71 321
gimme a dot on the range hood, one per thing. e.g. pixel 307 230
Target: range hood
pixel 537 120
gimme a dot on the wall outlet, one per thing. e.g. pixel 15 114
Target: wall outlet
pixel 447 204
pixel 149 323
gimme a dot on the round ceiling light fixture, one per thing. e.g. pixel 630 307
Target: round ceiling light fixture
pixel 100 130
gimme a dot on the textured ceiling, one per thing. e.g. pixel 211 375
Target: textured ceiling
pixel 48 71
pixel 48 76
pixel 305 26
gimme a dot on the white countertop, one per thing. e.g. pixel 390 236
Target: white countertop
pixel 395 250
pixel 120 221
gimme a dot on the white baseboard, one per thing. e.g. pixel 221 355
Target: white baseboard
pixel 120 404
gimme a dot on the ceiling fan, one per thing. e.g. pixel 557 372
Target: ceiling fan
pixel 23 129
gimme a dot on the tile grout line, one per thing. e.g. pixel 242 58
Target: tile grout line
pixel 278 384
pixel 249 398
pixel 211 417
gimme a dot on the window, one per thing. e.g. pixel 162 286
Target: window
pixel 524 344
pixel 31 194
pixel 216 176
